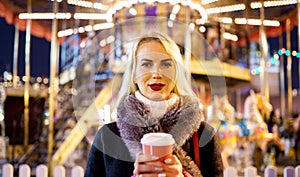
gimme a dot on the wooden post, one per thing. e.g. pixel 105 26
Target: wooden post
pixel 41 171
pixel 59 171
pixel 24 171
pixel 289 171
pixel 297 171
pixel 77 172
pixel 250 171
pixel 230 172
pixel 270 171
pixel 7 170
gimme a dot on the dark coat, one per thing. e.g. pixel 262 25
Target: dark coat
pixel 109 156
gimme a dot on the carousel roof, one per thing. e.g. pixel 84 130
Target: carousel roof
pixel 230 14
pixel 216 11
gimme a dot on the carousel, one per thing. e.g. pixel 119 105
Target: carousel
pixel 238 55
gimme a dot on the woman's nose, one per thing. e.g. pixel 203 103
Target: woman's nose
pixel 156 73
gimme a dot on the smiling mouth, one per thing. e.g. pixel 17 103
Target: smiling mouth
pixel 156 87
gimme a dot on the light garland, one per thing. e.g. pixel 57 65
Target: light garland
pixel 243 21
pixel 88 4
pixel 226 20
pixel 206 2
pixel 256 5
pixel 42 16
pixel 61 16
pixel 283 51
pixel 230 36
pixel 223 9
pixel 88 28
pixel 126 4
pixel 7 80
pixel 276 58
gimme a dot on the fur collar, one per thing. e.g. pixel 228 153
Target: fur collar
pixel 133 121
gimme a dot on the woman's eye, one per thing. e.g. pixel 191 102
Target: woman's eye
pixel 146 64
pixel 166 64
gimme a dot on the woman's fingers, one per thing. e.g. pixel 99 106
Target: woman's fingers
pixel 153 167
pixel 153 175
pixel 146 167
pixel 145 158
pixel 172 166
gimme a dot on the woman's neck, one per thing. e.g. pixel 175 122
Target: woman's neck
pixel 158 108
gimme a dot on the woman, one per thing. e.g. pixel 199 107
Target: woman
pixel 155 97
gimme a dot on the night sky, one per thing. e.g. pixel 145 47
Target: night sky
pixel 39 52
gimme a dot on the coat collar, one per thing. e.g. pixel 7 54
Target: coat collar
pixel 133 121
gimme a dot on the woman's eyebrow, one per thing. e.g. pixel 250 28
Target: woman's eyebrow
pixel 145 59
pixel 166 60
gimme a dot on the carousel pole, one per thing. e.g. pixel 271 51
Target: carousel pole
pixel 247 4
pixel 289 68
pixel 282 89
pixel 238 101
pixel 53 87
pixel 27 74
pixel 16 50
pixel 264 52
pixel 222 42
pixel 298 14
pixel 187 44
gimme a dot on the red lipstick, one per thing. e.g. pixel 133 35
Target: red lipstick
pixel 156 87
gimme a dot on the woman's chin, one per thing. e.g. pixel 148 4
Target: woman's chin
pixel 157 97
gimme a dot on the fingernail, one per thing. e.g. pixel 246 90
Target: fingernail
pixel 168 160
pixel 158 168
pixel 154 157
pixel 161 175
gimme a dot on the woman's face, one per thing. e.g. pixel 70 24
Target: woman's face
pixel 155 71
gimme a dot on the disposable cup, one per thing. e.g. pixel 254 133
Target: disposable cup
pixel 158 144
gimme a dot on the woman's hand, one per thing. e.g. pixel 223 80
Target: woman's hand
pixel 151 166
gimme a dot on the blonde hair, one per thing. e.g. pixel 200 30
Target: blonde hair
pixel 182 86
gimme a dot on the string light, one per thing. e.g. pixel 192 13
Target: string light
pixel 275 58
pixel 35 82
pixel 132 11
pixel 42 16
pixel 202 29
pixel 205 2
pixel 283 51
pixel 243 21
pixel 88 4
pixel 230 36
pixel 230 8
pixel 256 5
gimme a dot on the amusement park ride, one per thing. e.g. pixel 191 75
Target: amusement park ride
pixel 195 25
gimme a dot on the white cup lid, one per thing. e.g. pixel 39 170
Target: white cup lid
pixel 158 139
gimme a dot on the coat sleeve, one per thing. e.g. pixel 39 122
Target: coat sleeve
pixel 95 162
pixel 95 165
pixel 210 152
pixel 108 155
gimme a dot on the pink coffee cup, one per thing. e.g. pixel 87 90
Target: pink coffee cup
pixel 158 144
